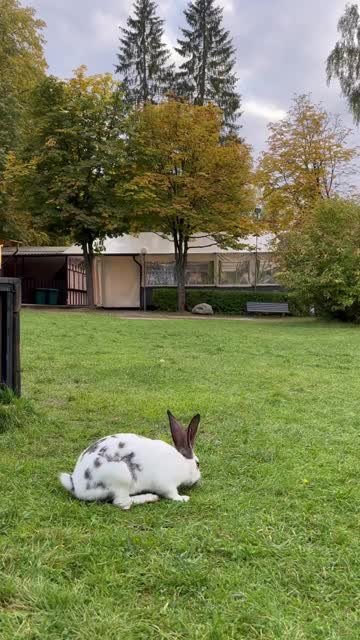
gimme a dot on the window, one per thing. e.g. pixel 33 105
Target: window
pixel 235 273
pixel 266 271
pixel 163 274
pixel 160 273
pixel 200 273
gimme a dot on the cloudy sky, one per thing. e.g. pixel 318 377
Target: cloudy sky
pixel 281 47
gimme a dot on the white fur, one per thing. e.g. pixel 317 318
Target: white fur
pixel 126 465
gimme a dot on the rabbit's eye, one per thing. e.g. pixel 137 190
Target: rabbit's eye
pixel 198 464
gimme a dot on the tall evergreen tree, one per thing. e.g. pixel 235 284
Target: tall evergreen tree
pixel 343 62
pixel 207 74
pixel 143 59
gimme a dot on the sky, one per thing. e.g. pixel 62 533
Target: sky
pixel 281 45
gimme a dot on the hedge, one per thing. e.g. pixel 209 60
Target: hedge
pixel 226 302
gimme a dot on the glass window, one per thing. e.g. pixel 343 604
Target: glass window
pixel 235 273
pixel 200 273
pixel 266 271
pixel 160 273
pixel 163 273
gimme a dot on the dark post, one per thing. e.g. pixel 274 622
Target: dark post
pixel 258 211
pixel 10 304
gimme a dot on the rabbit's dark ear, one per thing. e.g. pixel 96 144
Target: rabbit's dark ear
pixel 179 436
pixel 192 430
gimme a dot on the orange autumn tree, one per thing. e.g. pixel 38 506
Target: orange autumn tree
pixel 307 160
pixel 185 182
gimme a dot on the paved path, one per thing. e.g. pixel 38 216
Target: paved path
pixel 155 315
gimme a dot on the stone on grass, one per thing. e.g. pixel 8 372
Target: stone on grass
pixel 203 309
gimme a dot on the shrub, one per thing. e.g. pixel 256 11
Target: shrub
pixel 222 301
pixel 319 260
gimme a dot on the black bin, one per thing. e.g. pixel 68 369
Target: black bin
pixel 10 303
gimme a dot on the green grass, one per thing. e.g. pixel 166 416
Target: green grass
pixel 267 548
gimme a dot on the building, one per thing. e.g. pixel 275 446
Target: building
pixel 130 266
pixel 60 269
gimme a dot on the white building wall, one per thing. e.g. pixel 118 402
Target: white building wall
pixel 118 282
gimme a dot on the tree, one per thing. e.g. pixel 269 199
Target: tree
pixel 22 66
pixel 319 259
pixel 344 60
pixel 143 59
pixel 307 159
pixel 206 75
pixel 73 161
pixel 185 182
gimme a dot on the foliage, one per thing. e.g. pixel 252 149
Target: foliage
pixel 22 66
pixel 267 547
pixel 226 302
pixel 207 75
pixel 307 159
pixel 184 181
pixel 74 159
pixel 343 62
pixel 320 259
pixel 143 59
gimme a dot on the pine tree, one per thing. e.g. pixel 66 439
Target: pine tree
pixel 143 59
pixel 207 74
pixel 343 62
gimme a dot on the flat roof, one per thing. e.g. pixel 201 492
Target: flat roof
pixel 42 251
pixel 153 243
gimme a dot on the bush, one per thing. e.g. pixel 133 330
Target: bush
pixel 319 260
pixel 14 412
pixel 222 301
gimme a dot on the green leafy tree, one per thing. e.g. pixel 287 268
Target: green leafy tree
pixel 73 161
pixel 22 66
pixel 307 159
pixel 343 62
pixel 185 182
pixel 143 59
pixel 319 259
pixel 207 73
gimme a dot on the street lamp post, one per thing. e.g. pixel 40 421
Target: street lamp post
pixel 258 211
pixel 143 253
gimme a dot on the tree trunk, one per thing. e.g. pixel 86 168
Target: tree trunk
pixel 88 250
pixel 181 293
pixel 145 88
pixel 181 250
pixel 201 97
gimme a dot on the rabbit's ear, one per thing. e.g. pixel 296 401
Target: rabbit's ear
pixel 180 437
pixel 192 430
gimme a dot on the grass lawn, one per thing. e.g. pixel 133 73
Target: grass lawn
pixel 267 548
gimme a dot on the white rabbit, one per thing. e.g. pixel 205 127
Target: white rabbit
pixel 129 469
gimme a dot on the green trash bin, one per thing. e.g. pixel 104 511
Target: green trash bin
pixel 40 296
pixel 53 296
pixel 47 296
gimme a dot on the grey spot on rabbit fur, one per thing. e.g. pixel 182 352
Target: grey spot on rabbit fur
pixel 102 451
pixel 100 485
pixel 132 466
pixel 87 474
pixel 97 463
pixel 93 447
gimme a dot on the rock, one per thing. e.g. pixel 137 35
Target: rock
pixel 203 309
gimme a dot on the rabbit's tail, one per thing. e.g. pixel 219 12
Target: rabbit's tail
pixel 67 482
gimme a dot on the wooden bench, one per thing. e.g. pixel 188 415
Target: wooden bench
pixel 281 308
